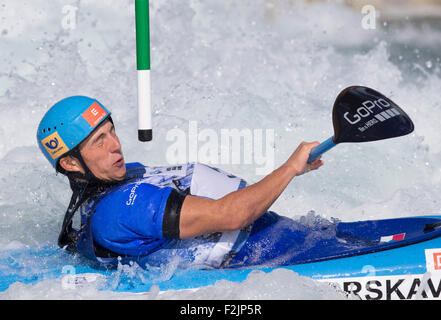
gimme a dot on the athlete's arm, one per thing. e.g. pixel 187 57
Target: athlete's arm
pixel 242 207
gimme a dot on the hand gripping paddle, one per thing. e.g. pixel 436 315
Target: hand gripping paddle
pixel 361 114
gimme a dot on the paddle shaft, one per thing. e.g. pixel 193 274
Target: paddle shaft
pixel 321 148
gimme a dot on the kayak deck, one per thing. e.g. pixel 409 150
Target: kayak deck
pixel 363 237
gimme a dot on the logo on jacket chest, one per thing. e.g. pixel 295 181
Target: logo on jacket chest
pixel 132 195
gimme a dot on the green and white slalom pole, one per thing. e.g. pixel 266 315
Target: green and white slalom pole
pixel 143 66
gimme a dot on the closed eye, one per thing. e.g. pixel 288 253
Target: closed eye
pixel 99 139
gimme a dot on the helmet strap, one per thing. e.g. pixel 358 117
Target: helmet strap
pixel 68 237
pixel 84 186
pixel 87 175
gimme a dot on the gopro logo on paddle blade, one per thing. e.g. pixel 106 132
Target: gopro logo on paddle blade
pixel 367 110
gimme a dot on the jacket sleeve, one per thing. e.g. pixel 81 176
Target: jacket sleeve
pixel 139 215
pixel 172 214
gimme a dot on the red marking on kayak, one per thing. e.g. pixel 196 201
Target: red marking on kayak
pixel 394 237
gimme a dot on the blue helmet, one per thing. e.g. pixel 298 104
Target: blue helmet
pixel 67 123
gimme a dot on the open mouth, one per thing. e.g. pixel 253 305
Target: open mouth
pixel 119 163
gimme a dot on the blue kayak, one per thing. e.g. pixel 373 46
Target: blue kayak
pixel 375 259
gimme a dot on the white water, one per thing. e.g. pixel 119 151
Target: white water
pixel 224 64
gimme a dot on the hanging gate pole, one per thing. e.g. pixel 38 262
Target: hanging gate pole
pixel 143 67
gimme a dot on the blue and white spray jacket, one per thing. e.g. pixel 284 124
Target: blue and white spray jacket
pixel 126 223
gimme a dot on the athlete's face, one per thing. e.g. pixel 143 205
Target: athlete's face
pixel 102 153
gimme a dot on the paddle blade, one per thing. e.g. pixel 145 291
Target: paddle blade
pixel 361 114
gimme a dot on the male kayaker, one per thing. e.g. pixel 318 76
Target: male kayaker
pixel 191 213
